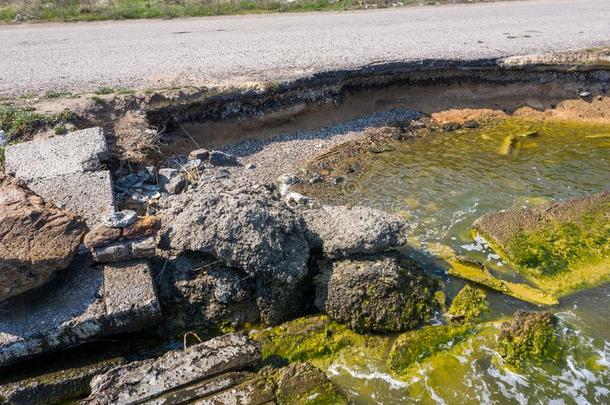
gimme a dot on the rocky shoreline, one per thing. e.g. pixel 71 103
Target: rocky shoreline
pixel 227 248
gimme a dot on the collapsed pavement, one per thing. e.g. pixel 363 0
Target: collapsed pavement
pixel 224 252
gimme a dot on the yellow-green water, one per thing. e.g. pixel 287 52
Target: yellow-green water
pixel 442 184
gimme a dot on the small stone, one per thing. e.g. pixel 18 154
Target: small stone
pixel 101 235
pixel 192 164
pixel 200 154
pixel 143 248
pixel 584 94
pixel 120 219
pixel 126 182
pixel 2 139
pixel 218 158
pixel 293 198
pixel 251 166
pixel 166 174
pixel 451 126
pixel 144 226
pixel 112 253
pixel 471 124
pixel 316 178
pixel 175 185
pixel 337 180
pixel 148 174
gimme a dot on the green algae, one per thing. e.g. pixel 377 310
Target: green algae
pixel 417 345
pixel 530 337
pixel 468 305
pixel 315 339
pixel 561 255
pixel 478 273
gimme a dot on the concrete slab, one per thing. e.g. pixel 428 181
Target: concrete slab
pixel 89 195
pixel 79 151
pixel 76 307
pixel 144 381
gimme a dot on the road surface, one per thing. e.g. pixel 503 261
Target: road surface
pixel 221 50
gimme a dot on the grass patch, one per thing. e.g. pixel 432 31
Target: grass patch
pixel 21 123
pixel 95 10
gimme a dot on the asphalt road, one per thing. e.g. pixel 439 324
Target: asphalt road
pixel 221 50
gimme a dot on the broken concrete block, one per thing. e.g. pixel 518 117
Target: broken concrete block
pixel 218 158
pixel 77 152
pixel 58 379
pixel 199 154
pixel 76 307
pixel 144 381
pixel 125 250
pixel 120 300
pixel 120 219
pixel 36 240
pixel 89 195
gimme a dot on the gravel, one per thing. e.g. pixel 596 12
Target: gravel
pixel 282 154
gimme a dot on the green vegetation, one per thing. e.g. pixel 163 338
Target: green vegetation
pixel 560 246
pixel 476 272
pixel 417 345
pixel 529 337
pixel 562 256
pixel 468 305
pixel 315 339
pixel 104 91
pixel 80 10
pixel 21 123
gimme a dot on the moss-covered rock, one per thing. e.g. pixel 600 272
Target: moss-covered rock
pixel 302 383
pixel 375 293
pixel 560 247
pixel 468 305
pixel 478 273
pixel 529 337
pixel 417 345
pixel 314 338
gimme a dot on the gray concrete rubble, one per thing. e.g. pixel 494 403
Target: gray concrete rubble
pixel 89 195
pixel 144 381
pixel 125 250
pixel 66 170
pixel 57 383
pixel 78 152
pixel 79 304
pixel 340 231
pixel 248 227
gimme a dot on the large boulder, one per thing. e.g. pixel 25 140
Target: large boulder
pixel 198 293
pixel 339 231
pixel 245 226
pixel 559 247
pixel 530 337
pixel 36 239
pixel 379 293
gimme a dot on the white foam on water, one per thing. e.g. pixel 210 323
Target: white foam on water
pixel 372 375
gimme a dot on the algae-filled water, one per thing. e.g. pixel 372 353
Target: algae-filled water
pixel 442 183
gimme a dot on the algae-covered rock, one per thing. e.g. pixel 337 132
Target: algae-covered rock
pixel 478 273
pixel 375 293
pixel 560 247
pixel 315 338
pixel 302 383
pixel 417 345
pixel 468 305
pixel 529 336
